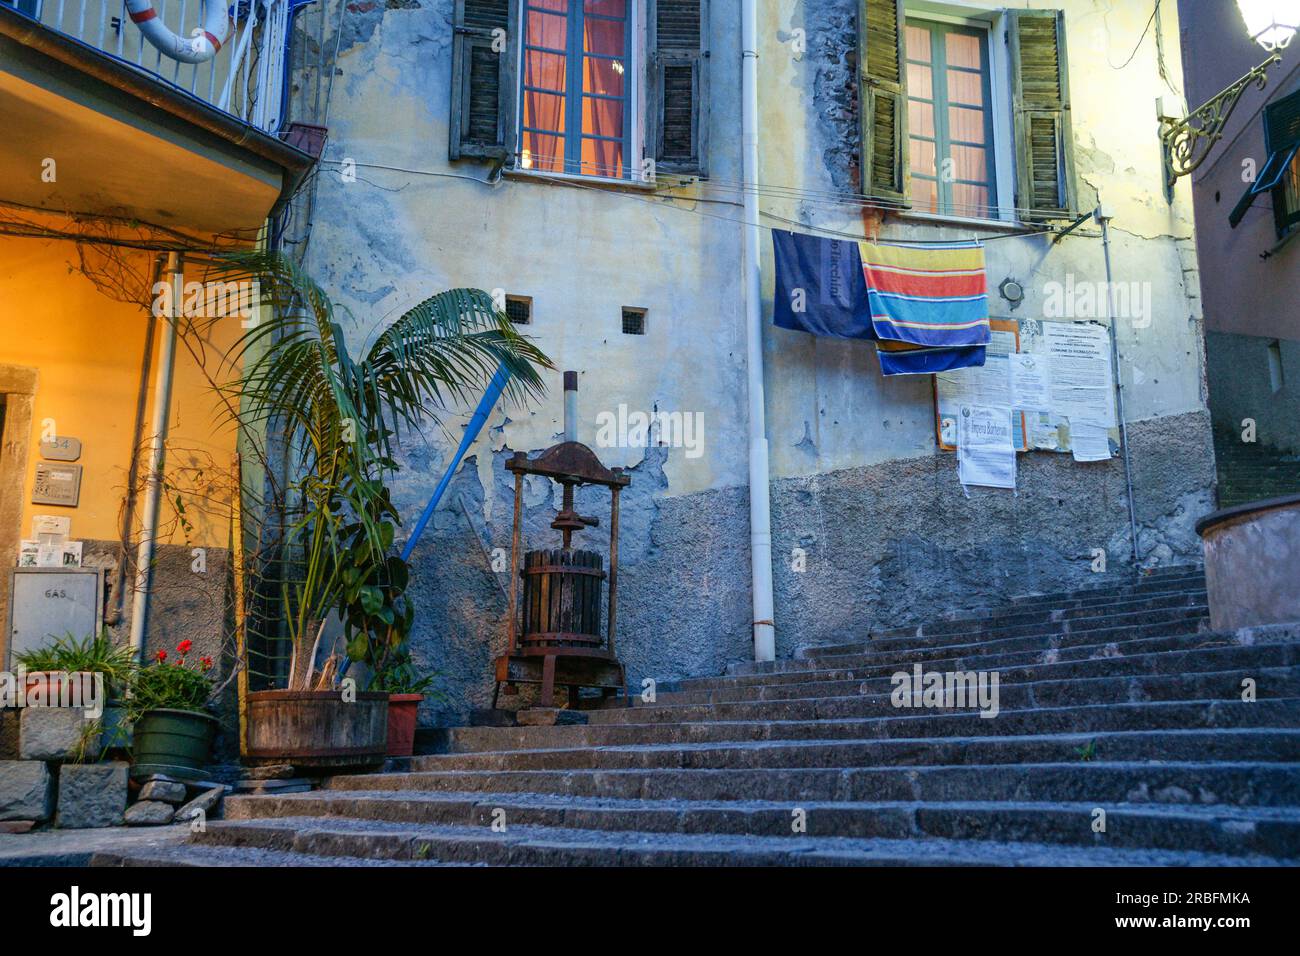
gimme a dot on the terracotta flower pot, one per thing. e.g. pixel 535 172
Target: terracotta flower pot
pixel 403 709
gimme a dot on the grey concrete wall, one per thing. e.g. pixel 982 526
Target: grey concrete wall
pixel 1241 388
pixel 857 482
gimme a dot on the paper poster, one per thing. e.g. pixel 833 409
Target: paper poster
pixel 1089 442
pixel 1082 388
pixel 987 386
pixel 1031 382
pixel 986 455
pixel 52 525
pixel 28 554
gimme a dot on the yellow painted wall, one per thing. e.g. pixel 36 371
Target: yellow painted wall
pixel 88 351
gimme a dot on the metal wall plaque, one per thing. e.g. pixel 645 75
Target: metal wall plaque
pixel 61 448
pixel 57 484
pixel 47 603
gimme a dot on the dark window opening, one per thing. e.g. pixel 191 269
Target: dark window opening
pixel 633 321
pixel 519 309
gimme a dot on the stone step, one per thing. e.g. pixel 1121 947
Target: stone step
pixel 897 723
pixel 548 846
pixel 986 623
pixel 1229 782
pixel 873 698
pixel 1269 744
pixel 992 656
pixel 1273 831
pixel 202 854
pixel 1118 627
pixel 1155 657
pixel 1194 580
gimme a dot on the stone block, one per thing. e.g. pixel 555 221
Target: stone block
pixel 204 803
pixel 91 795
pixel 149 813
pixel 54 733
pixel 9 733
pixel 165 791
pixel 26 790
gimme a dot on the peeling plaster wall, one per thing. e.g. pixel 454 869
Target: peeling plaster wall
pixel 857 481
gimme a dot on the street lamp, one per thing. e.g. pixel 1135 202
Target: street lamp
pixel 1271 23
pixel 1188 140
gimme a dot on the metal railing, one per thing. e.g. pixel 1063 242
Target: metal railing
pixel 245 78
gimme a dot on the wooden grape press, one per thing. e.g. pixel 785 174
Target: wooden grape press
pixel 555 635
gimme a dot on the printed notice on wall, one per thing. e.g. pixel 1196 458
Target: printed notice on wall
pixel 988 385
pixel 986 455
pixel 1089 442
pixel 1031 382
pixel 1082 389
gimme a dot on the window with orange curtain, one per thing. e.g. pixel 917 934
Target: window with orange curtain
pixel 575 100
pixel 950 120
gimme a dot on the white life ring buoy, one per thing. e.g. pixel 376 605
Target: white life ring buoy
pixel 204 43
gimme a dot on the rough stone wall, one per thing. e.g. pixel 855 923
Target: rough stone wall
pixel 1241 388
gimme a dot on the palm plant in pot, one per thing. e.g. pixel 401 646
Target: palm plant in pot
pixel 167 707
pixel 340 418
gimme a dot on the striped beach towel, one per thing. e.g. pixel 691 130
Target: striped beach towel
pixel 934 296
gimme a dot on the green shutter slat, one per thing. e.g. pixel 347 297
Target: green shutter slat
pixel 482 105
pixel 1282 123
pixel 882 99
pixel 677 86
pixel 1043 140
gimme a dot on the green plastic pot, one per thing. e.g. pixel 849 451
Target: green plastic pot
pixel 172 742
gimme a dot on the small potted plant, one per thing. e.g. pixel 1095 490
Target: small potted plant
pixel 68 661
pixel 167 708
pixel 406 689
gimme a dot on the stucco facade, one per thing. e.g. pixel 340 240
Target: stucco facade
pixel 857 482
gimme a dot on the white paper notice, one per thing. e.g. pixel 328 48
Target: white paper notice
pixel 985 453
pixel 1089 442
pixel 1031 382
pixel 1081 386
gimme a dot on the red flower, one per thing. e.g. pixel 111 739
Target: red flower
pixel 162 656
pixel 184 646
pixel 206 662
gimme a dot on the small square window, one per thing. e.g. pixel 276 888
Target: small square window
pixel 633 321
pixel 1276 376
pixel 519 309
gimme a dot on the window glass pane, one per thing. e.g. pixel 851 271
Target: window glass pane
pixel 542 151
pixel 918 81
pixel 917 42
pixel 607 8
pixel 602 117
pixel 965 88
pixel 922 157
pixel 604 37
pixel 963 49
pixel 602 157
pixel 966 125
pixel 925 195
pixel 546 29
pixel 603 76
pixel 545 70
pixel 970 200
pixel 920 118
pixel 559 6
pixel 970 162
pixel 544 110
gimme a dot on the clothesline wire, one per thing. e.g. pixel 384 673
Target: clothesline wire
pixel 671 201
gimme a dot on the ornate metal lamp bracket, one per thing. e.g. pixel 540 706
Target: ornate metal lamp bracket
pixel 1187 142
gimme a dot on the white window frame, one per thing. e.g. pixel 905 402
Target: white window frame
pixel 1004 174
pixel 635 148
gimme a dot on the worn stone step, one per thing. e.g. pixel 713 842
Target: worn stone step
pixel 1231 782
pixel 899 722
pixel 523 845
pixel 1106 660
pixel 1095 644
pixel 1269 744
pixel 1124 627
pixel 200 854
pixel 1191 581
pixel 1270 831
pixel 907 636
pixel 874 697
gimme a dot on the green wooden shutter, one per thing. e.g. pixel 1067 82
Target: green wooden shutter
pixel 882 100
pixel 483 86
pixel 677 86
pixel 1045 187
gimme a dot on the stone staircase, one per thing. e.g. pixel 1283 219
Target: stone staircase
pixel 1115 699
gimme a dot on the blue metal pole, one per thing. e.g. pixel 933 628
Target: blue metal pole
pixel 472 429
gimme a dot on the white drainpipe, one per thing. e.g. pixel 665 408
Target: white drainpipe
pixel 162 397
pixel 760 511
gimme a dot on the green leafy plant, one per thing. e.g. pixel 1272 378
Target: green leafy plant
pixel 340 417
pixel 89 747
pixel 176 684
pixel 1087 752
pixel 399 676
pixel 94 654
